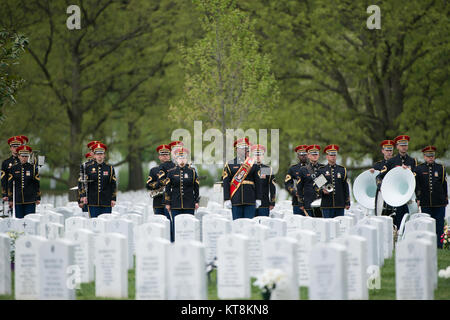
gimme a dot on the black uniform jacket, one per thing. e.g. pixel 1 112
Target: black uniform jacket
pixel 291 180
pixel 4 173
pixel 431 185
pixel 26 182
pixel 250 189
pixel 182 189
pixel 102 188
pixel 306 189
pixel 340 196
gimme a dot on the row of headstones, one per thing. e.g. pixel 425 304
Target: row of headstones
pixel 276 229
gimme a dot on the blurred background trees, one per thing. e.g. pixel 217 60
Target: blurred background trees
pixel 137 70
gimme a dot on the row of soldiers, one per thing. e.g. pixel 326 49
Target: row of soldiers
pixel 431 182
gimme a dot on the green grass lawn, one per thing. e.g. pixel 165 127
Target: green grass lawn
pixel 386 292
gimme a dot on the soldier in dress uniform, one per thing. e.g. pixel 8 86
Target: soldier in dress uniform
pixel 431 189
pixel 241 182
pixel 290 182
pixel 81 181
pixel 182 188
pixel 387 149
pixel 306 189
pixel 14 143
pixel 268 188
pixel 101 192
pixel 155 184
pixel 402 159
pixel 334 202
pixel 24 184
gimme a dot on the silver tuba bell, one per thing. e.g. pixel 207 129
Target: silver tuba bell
pixel 365 189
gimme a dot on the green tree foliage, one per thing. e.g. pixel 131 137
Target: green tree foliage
pixel 228 82
pixel 343 83
pixel 12 46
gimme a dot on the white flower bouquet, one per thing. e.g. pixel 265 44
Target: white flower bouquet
pixel 268 280
pixel 444 273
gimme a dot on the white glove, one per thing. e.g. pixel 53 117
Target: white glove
pixel 227 204
pixel 258 203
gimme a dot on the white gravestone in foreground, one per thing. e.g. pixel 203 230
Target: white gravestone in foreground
pixel 187 271
pixel 257 235
pixel 58 278
pixel 430 236
pixel 125 228
pixel 26 269
pixel 345 224
pixel 5 265
pixel 238 225
pixel 306 240
pixel 75 223
pixel 111 265
pixel 281 253
pixel 319 226
pixel 356 266
pixel 84 252
pixel 412 270
pixel 370 234
pixel 379 225
pixel 151 268
pixel 277 227
pixel 328 276
pixel 159 218
pixel 213 227
pixel 233 277
pixel 187 227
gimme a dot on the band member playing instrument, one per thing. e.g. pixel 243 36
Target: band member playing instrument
pixel 241 183
pixel 157 186
pixel 387 149
pixel 182 189
pixel 268 188
pixel 334 202
pixel 24 184
pixel 101 186
pixel 402 159
pixel 431 189
pixel 14 143
pixel 306 189
pixel 290 182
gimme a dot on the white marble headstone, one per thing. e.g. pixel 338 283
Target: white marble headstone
pixel 56 261
pixel 187 227
pixel 238 225
pixel 187 271
pixel 370 234
pixel 277 227
pixel 233 277
pixel 151 267
pixel 26 269
pixel 281 253
pixel 306 240
pixel 125 228
pixel 413 279
pixel 84 252
pixel 345 224
pixel 431 237
pixel 257 235
pixel 74 223
pixel 159 218
pixel 380 226
pixel 319 226
pixel 356 266
pixel 111 265
pixel 213 227
pixel 328 276
pixel 5 265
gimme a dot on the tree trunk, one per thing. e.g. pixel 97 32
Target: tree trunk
pixel 135 173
